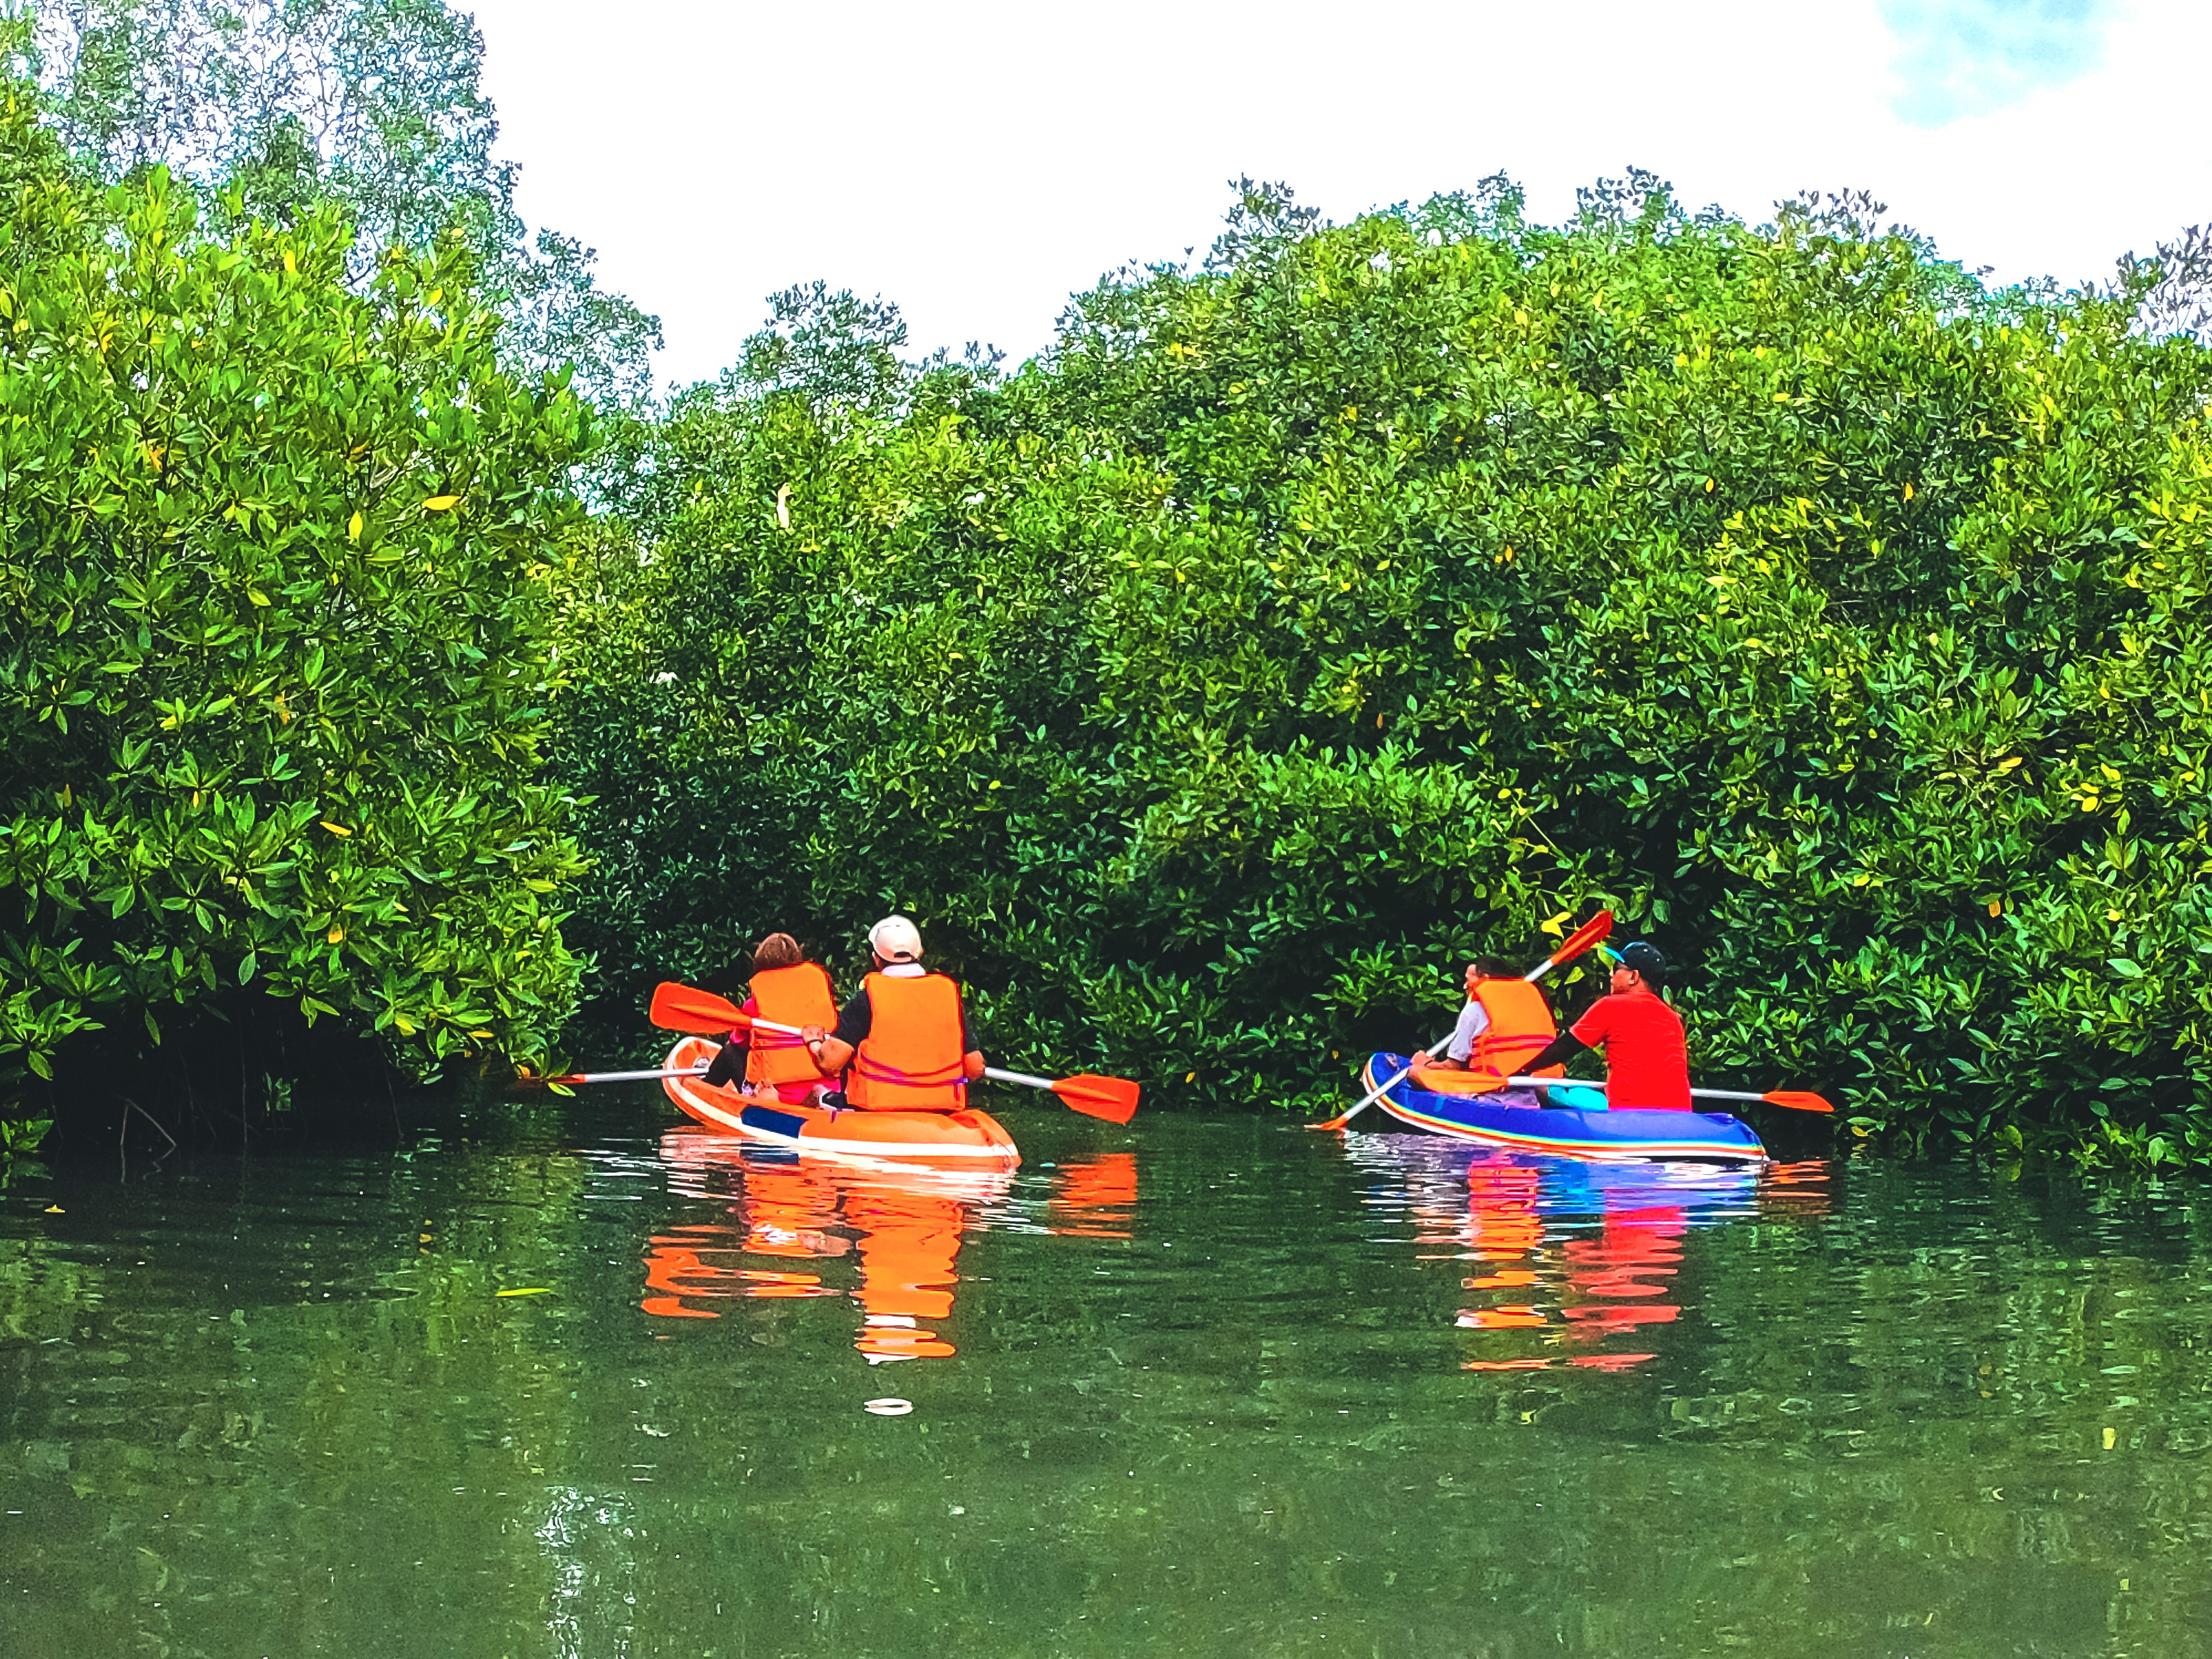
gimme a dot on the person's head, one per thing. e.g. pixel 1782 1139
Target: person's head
pixel 1483 968
pixel 894 940
pixel 777 950
pixel 1641 966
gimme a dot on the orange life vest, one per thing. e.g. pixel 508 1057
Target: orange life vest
pixel 911 1060
pixel 1520 1026
pixel 797 995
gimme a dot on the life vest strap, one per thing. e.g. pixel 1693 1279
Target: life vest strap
pixel 876 1072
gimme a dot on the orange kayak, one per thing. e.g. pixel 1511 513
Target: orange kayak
pixel 968 1139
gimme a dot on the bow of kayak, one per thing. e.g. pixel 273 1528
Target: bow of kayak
pixel 1579 1126
pixel 969 1140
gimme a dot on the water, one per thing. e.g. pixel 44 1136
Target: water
pixel 600 1388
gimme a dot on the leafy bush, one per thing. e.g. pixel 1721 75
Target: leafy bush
pixel 1307 620
pixel 274 654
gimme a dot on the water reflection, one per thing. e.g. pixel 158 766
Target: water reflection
pixel 1094 1197
pixel 1578 1260
pixel 901 1228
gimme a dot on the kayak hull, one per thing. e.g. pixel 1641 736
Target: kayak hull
pixel 967 1140
pixel 1585 1130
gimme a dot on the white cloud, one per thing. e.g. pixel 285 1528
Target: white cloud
pixel 977 160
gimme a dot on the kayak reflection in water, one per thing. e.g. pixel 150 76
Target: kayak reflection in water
pixel 902 1227
pixel 1577 1259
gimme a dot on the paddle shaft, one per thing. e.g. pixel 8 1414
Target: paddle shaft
pixel 1022 1077
pixel 991 1072
pixel 1444 1041
pixel 1382 1089
pixel 615 1077
pixel 679 1007
pixel 1569 1082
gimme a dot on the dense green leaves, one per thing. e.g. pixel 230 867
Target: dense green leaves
pixel 1306 620
pixel 1372 593
pixel 374 106
pixel 274 608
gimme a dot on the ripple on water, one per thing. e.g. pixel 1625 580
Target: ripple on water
pixel 1223 1388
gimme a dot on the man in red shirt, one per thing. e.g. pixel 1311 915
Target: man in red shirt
pixel 1647 1063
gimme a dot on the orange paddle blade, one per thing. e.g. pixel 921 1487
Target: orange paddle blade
pixel 680 1008
pixel 1597 929
pixel 1797 1100
pixel 1113 1098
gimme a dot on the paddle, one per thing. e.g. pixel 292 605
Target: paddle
pixel 681 1008
pixel 1794 1100
pixel 571 1079
pixel 1591 932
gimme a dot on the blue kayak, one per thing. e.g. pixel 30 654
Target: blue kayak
pixel 1577 1124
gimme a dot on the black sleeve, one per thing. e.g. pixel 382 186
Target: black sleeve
pixel 968 1043
pixel 855 1020
pixel 1562 1049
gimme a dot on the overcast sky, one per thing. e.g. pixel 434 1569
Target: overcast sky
pixel 977 162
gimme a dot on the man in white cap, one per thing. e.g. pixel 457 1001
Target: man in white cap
pixel 903 1042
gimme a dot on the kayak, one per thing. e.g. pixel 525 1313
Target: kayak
pixel 1577 1126
pixel 964 1139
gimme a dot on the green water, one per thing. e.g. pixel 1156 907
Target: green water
pixel 1197 1388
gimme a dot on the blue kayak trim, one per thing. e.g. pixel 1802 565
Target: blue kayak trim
pixel 1567 1132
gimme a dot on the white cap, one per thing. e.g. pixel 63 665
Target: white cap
pixel 895 939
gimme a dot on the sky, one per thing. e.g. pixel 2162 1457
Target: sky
pixel 976 162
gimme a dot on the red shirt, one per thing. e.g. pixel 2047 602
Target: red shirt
pixel 1647 1063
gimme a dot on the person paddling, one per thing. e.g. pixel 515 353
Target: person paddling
pixel 1506 1021
pixel 789 990
pixel 1647 1062
pixel 903 1042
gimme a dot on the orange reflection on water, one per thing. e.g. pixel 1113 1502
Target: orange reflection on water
pixel 1503 1224
pixel 1094 1197
pixel 901 1228
pixel 678 1266
pixel 1574 1256
pixel 1634 1257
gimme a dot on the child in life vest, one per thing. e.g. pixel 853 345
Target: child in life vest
pixel 775 1066
pixel 1504 1022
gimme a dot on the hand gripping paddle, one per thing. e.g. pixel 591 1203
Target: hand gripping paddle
pixel 682 1008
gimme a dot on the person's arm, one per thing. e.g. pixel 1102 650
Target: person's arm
pixel 1473 1021
pixel 1561 1049
pixel 1587 1032
pixel 971 1062
pixel 833 1051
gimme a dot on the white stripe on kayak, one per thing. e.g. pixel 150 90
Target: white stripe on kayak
pixel 1611 1151
pixel 1595 1150
pixel 880 1149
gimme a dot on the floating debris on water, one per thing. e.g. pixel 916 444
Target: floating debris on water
pixel 889 1407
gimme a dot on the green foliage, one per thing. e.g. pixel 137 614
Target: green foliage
pixel 376 106
pixel 274 655
pixel 1309 619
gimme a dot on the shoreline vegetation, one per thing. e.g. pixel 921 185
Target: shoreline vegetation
pixel 389 679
